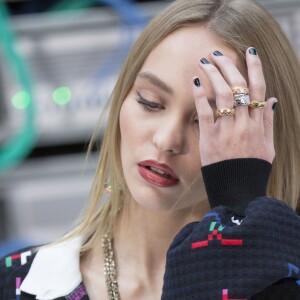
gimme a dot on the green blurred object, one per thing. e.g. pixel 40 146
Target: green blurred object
pixel 14 150
pixel 62 95
pixel 21 100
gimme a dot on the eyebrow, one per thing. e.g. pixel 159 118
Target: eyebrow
pixel 153 79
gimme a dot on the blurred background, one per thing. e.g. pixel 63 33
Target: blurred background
pixel 59 60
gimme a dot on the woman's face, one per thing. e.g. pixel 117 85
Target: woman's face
pixel 158 123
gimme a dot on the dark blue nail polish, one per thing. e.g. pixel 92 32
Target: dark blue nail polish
pixel 204 61
pixel 197 82
pixel 274 105
pixel 252 51
pixel 217 53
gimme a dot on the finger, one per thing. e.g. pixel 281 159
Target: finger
pixel 268 117
pixel 233 77
pixel 257 84
pixel 224 96
pixel 204 111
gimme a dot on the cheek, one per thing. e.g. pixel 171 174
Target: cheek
pixel 194 164
pixel 194 158
pixel 131 125
pixel 127 121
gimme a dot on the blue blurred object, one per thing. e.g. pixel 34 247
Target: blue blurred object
pixel 127 11
pixel 13 245
pixel 131 19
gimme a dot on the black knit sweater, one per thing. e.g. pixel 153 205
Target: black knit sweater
pixel 246 247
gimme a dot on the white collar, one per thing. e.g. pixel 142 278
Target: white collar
pixel 55 271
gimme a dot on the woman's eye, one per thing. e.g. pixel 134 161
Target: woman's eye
pixel 147 105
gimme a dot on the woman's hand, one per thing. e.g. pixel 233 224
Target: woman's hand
pixel 247 134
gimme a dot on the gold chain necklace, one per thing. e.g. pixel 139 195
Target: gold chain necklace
pixel 110 270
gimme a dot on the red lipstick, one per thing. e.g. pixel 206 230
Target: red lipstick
pixel 157 174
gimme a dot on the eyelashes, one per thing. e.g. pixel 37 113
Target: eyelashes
pixel 151 107
pixel 147 105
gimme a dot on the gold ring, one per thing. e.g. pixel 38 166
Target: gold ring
pixel 240 90
pixel 258 104
pixel 225 112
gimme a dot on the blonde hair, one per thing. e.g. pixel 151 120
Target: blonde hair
pixel 240 24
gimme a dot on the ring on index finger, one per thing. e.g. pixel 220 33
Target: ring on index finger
pixel 225 112
pixel 241 96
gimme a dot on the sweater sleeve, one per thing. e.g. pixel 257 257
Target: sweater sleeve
pixel 236 182
pixel 244 245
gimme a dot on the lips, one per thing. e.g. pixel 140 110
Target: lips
pixel 157 174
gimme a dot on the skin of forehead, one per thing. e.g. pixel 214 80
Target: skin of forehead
pixel 176 58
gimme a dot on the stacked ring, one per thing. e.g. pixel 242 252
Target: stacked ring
pixel 241 100
pixel 240 90
pixel 258 104
pixel 225 112
pixel 241 96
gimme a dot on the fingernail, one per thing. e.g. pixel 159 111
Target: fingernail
pixel 197 82
pixel 204 61
pixel 252 51
pixel 274 105
pixel 217 53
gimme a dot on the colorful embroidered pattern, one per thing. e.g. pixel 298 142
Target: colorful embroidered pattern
pixel 18 291
pixel 225 296
pixel 78 293
pixel 236 221
pixel 215 215
pixel 215 235
pixel 23 256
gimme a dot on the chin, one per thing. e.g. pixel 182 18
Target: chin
pixel 159 199
pixel 156 203
pixel 153 204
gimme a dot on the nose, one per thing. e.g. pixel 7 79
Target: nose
pixel 170 136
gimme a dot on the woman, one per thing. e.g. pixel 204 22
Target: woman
pixel 198 58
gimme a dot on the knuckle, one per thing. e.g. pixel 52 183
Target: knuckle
pixel 213 70
pixel 241 83
pixel 225 140
pixel 224 60
pixel 224 93
pixel 256 63
pixel 270 121
pixel 200 93
pixel 243 133
pixel 260 87
pixel 205 115
pixel 227 60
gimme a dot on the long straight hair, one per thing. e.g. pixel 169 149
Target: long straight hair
pixel 239 24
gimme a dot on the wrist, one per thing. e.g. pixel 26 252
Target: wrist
pixel 236 182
